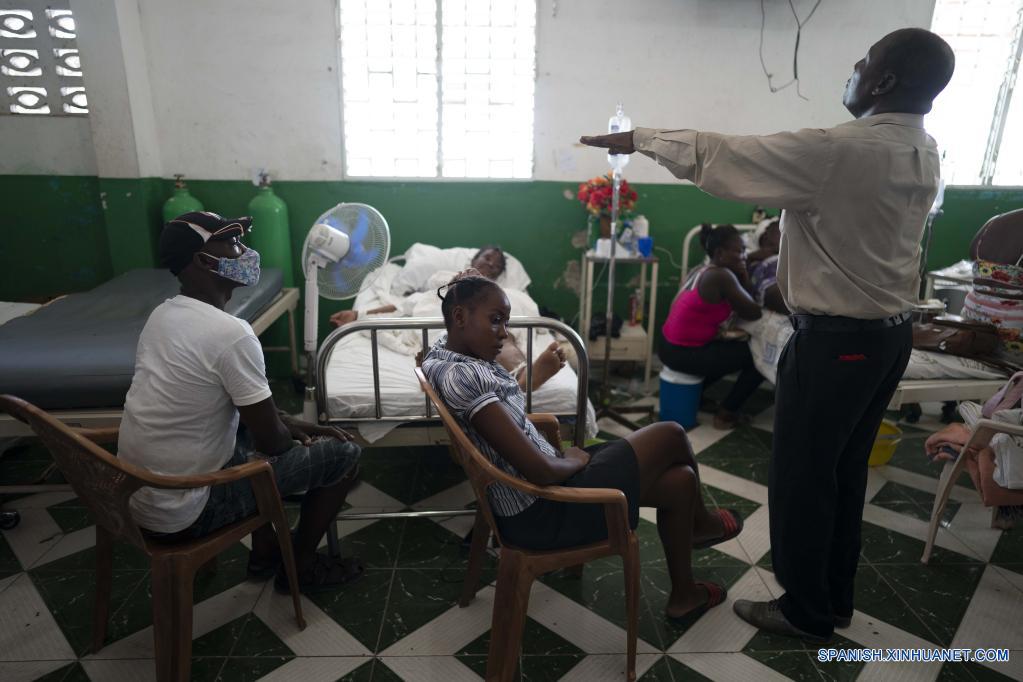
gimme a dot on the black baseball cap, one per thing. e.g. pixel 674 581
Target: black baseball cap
pixel 183 236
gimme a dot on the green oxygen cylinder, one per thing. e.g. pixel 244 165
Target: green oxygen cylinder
pixel 181 201
pixel 271 235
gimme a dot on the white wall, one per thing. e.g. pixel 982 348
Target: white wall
pixel 45 145
pixel 238 84
pixel 116 75
pixel 694 64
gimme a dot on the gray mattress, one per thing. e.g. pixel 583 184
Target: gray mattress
pixel 79 351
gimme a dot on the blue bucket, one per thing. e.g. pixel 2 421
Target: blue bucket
pixel 680 397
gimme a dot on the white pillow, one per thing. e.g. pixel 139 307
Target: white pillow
pixel 423 260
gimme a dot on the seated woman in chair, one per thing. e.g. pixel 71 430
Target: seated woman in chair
pixel 654 466
pixel 690 338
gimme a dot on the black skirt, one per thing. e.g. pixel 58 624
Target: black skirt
pixel 546 525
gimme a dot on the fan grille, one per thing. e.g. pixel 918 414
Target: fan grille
pixel 370 248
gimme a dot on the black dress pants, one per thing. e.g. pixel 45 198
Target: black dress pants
pixel 833 387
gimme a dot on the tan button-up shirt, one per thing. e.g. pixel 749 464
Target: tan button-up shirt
pixel 855 199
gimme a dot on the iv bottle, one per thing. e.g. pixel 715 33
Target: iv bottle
pixel 619 123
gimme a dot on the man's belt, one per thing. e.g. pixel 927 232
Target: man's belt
pixel 836 323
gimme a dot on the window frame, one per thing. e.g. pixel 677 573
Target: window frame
pixel 1003 105
pixel 439 177
pixel 1000 114
pixel 45 45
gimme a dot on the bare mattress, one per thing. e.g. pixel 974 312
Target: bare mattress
pixel 79 351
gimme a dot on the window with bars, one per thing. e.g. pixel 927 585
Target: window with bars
pixel 438 88
pixel 978 120
pixel 40 67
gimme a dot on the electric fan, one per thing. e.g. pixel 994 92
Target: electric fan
pixel 344 249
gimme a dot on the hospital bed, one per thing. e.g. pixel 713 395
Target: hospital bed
pixel 75 357
pixel 364 386
pixel 368 382
pixel 909 390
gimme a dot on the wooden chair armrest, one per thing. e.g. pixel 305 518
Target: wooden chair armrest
pixel 560 493
pixel 235 473
pixel 616 507
pixel 548 426
pixel 107 434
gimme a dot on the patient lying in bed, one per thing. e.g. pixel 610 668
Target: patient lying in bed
pixel 490 262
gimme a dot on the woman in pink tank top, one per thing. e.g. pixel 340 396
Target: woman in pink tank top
pixel 690 340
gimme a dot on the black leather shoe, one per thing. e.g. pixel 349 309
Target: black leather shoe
pixel 766 615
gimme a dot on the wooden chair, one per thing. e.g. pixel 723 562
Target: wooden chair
pixel 980 437
pixel 105 483
pixel 519 567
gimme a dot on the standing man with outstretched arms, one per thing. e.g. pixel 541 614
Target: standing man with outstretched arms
pixel 854 199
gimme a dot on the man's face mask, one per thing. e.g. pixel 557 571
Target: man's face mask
pixel 244 269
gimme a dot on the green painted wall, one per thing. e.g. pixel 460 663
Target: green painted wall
pixel 131 208
pixel 53 236
pixel 93 228
pixel 533 220
pixel 965 210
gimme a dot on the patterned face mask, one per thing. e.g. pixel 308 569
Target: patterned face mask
pixel 244 269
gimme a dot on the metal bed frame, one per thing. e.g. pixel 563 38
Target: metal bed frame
pixel 436 436
pixel 427 427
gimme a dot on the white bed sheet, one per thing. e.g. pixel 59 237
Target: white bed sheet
pixel 350 388
pixel 10 310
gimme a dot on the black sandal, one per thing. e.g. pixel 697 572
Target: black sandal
pixel 327 573
pixel 716 595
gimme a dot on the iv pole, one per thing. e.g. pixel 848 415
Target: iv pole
pixel 615 413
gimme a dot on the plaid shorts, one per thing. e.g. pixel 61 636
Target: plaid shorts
pixel 296 471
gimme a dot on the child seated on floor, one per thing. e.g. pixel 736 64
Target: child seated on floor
pixel 653 466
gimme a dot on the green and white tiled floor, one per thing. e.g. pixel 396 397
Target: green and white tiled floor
pixel 400 622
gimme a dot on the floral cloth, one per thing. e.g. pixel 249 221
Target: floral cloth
pixel 997 298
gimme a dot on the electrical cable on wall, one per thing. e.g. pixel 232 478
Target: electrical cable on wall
pixel 795 54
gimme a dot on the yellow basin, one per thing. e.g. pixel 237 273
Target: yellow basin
pixel 888 437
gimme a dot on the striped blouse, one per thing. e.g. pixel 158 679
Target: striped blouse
pixel 467 385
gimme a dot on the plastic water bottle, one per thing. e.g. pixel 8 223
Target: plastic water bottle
pixel 641 227
pixel 619 123
pixel 628 242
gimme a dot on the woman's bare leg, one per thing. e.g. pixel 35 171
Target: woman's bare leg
pixel 668 481
pixel 674 495
pixel 658 448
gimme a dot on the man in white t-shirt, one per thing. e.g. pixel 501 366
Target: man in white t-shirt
pixel 198 372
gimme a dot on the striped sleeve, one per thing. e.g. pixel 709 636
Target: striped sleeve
pixel 467 388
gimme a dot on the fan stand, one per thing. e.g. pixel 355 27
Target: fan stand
pixel 312 304
pixel 615 413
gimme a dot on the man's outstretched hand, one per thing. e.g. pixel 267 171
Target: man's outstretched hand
pixel 614 143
